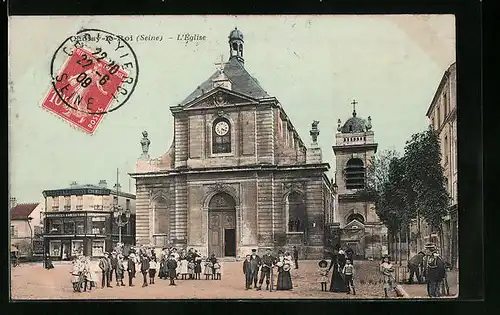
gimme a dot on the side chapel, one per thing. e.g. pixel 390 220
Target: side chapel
pixel 237 175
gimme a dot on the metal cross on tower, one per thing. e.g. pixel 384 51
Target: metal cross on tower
pixel 354 107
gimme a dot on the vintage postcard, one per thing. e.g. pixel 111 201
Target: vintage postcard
pixel 233 157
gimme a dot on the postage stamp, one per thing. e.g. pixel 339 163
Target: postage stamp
pixel 93 73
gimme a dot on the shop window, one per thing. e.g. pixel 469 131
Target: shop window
pixel 76 247
pixel 97 248
pixel 55 248
pixel 69 227
pixel 13 231
pixel 56 226
pixel 80 226
pixel 98 225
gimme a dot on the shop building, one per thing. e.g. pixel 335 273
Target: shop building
pixel 83 219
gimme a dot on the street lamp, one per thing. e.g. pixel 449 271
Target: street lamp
pixel 120 220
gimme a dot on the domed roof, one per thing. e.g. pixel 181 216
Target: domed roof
pixel 354 125
pixel 236 34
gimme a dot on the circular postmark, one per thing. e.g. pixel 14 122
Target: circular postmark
pixel 94 72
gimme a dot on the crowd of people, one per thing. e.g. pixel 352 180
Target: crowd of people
pixel 190 265
pixel 171 265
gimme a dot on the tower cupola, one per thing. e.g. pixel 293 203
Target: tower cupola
pixel 236 44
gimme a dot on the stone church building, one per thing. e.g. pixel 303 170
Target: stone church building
pixel 237 175
pixel 360 227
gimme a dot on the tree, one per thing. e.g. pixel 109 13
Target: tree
pixel 379 189
pixel 429 197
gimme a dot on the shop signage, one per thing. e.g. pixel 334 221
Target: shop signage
pixel 70 214
pixel 102 219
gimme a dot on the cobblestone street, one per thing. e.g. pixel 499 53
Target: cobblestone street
pixel 31 281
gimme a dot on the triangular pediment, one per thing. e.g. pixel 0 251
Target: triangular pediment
pixel 218 98
pixel 355 225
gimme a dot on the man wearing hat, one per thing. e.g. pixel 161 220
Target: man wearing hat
pixel 265 271
pixel 255 263
pixel 105 265
pixel 131 268
pixel 114 262
pixel 414 266
pixel 435 272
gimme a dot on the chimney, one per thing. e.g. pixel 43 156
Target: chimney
pixel 103 183
pixel 13 202
pixel 73 183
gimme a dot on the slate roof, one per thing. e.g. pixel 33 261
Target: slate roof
pixel 22 211
pixel 241 82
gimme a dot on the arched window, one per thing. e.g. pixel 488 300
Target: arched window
pixel 221 136
pixel 355 174
pixel 355 216
pixel 296 212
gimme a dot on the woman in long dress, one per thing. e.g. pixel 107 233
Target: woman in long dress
pixel 337 283
pixel 284 278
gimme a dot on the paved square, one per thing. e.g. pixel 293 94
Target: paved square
pixel 32 281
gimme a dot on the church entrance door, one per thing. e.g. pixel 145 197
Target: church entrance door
pixel 222 226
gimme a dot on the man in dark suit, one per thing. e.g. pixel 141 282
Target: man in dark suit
pixel 114 262
pixel 131 269
pixel 105 265
pixel 255 263
pixel 144 269
pixel 265 272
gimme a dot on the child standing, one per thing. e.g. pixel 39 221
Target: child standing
pixel 152 270
pixel 120 271
pixel 183 267
pixel 247 271
pixel 218 270
pixel 197 267
pixel 172 269
pixel 208 269
pixel 323 274
pixel 348 272
pixel 387 271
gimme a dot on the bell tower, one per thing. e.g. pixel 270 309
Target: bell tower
pixel 354 149
pixel 236 45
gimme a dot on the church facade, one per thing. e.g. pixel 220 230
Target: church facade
pixel 360 227
pixel 237 175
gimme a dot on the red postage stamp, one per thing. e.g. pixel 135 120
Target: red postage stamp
pixel 88 84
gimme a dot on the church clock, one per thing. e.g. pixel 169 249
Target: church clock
pixel 222 128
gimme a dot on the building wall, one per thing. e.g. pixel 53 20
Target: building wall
pixel 261 214
pixel 88 202
pixel 442 117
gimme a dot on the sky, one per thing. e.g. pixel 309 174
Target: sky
pixel 314 65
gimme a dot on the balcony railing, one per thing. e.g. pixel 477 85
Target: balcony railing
pixel 55 208
pixel 79 207
pixel 67 208
pixel 98 207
